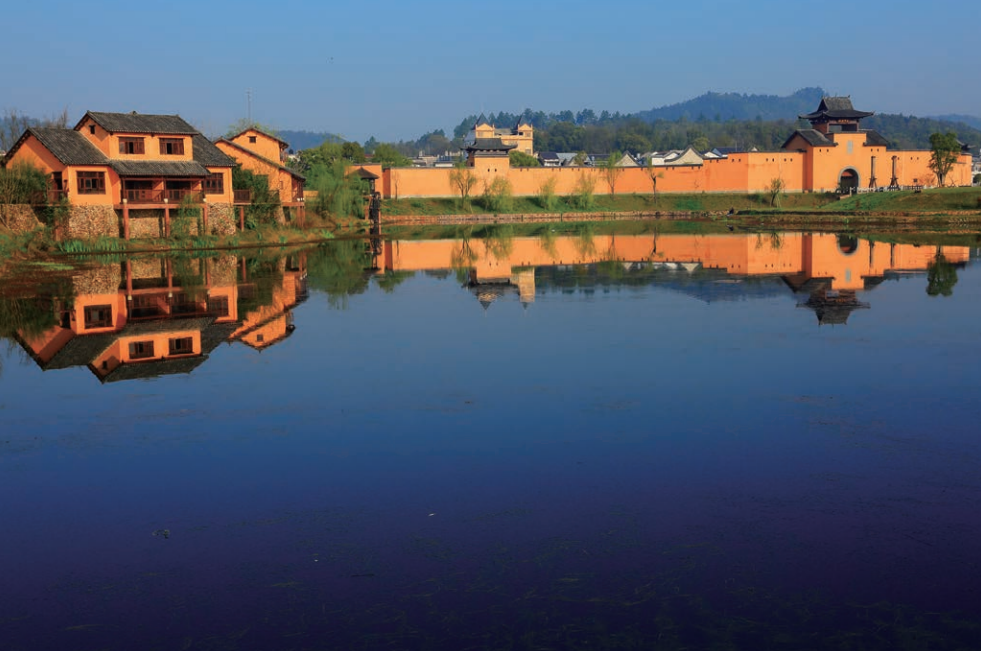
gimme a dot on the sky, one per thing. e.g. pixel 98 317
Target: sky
pixel 396 70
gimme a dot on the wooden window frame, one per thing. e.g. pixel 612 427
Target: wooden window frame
pixel 252 140
pixel 218 306
pixel 94 318
pixel 131 146
pixel 91 182
pixel 141 350
pixel 177 345
pixel 171 146
pixel 213 184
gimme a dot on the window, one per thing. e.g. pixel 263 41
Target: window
pixel 182 346
pixel 98 316
pixel 218 306
pixel 91 182
pixel 172 146
pixel 131 146
pixel 252 140
pixel 92 129
pixel 214 184
pixel 141 350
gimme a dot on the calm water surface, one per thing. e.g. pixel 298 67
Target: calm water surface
pixel 735 441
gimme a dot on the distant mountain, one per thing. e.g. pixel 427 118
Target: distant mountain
pixel 970 120
pixel 307 139
pixel 719 107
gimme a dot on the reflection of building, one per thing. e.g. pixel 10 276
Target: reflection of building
pixel 828 268
pixel 159 317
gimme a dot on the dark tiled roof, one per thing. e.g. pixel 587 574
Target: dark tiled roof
pixel 813 137
pixel 489 144
pixel 836 108
pixel 80 350
pixel 251 153
pixel 67 145
pixel 875 139
pixel 140 123
pixel 208 155
pixel 157 326
pixel 186 168
pixel 836 104
pixel 147 370
pixel 481 121
pixel 216 334
pixel 365 174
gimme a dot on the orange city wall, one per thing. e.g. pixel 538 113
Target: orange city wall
pixel 750 172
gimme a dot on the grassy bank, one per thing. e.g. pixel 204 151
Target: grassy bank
pixel 621 203
pixel 938 201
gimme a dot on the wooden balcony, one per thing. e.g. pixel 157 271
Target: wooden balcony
pixel 242 196
pixel 161 196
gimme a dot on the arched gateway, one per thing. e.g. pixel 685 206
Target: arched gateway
pixel 848 180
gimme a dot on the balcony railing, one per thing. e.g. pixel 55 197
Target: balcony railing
pixel 158 196
pixel 243 196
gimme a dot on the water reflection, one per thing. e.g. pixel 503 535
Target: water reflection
pixel 828 271
pixel 628 448
pixel 148 317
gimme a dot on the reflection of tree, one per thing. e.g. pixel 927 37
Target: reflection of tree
pixel 337 268
pixel 547 241
pixel 941 277
pixel 499 241
pixel 392 279
pixel 585 246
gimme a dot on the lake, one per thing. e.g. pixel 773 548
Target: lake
pixel 569 441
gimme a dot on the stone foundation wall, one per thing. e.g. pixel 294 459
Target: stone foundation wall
pixel 222 219
pixel 91 222
pixel 146 268
pixel 146 224
pixel 20 218
pixel 101 280
pixel 224 270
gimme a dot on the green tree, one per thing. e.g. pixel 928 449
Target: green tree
pixel 653 173
pixel 582 193
pixel 498 196
pixel 941 277
pixel 521 159
pixel 388 156
pixel 353 152
pixel 265 202
pixel 547 198
pixel 944 150
pixel 463 179
pixel 612 171
pixel 21 183
pixel 775 190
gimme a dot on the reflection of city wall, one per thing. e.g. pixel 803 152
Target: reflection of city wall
pixel 153 317
pixel 845 262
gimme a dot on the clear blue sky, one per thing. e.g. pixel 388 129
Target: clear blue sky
pixel 399 69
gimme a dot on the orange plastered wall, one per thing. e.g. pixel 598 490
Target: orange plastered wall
pixel 226 196
pixel 108 143
pixel 111 195
pixel 764 167
pixel 34 153
pixel 264 145
pixel 116 301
